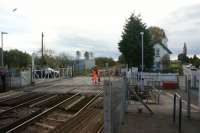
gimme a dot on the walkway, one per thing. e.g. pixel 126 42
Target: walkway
pixel 161 121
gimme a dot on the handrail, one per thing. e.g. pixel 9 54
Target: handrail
pixel 176 95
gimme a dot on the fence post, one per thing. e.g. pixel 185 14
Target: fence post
pixel 107 68
pixel 180 115
pixel 31 75
pixel 186 83
pixel 125 95
pixel 107 107
pixel 174 109
pixel 188 100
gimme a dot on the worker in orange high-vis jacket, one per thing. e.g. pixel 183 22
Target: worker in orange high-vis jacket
pixel 94 75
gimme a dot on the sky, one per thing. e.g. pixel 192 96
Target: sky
pixel 95 25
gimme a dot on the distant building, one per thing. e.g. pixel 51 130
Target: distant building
pixel 161 51
pixel 84 64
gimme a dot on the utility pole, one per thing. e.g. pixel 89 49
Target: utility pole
pixel 2 64
pixel 42 50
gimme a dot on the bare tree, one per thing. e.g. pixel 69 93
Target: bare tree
pixel 91 55
pixel 86 55
pixel 165 61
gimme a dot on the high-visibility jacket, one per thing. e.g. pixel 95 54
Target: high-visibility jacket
pixel 94 75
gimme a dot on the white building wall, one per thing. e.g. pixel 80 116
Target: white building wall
pixel 162 53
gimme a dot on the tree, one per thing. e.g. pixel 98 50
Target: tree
pixel 130 44
pixel 121 59
pixel 91 54
pixel 165 61
pixel 52 60
pixel 157 34
pixel 195 61
pixel 101 61
pixel 185 49
pixel 86 55
pixel 62 60
pixel 78 55
pixel 16 59
pixel 183 58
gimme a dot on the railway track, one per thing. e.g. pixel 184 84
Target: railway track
pixel 13 116
pixel 18 99
pixel 29 125
pixel 33 112
pixel 8 95
pixel 89 119
pixel 64 113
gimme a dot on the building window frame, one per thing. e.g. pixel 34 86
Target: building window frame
pixel 157 52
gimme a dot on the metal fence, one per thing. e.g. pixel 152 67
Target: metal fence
pixel 115 104
pixel 17 79
pixel 150 79
pixel 53 74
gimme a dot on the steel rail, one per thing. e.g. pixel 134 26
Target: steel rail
pixel 44 100
pixel 22 104
pixel 9 97
pixel 88 104
pixel 100 129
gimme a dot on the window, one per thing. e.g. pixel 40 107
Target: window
pixel 157 52
pixel 157 65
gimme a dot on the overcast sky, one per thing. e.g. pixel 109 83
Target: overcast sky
pixel 95 25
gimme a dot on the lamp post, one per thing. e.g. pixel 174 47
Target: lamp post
pixel 2 33
pixel 142 80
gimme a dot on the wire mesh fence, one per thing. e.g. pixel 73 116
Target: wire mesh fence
pixel 115 104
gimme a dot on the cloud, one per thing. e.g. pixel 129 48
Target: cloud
pixel 92 25
pixel 182 26
pixel 72 43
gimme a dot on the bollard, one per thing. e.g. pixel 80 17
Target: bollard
pixel 174 109
pixel 180 115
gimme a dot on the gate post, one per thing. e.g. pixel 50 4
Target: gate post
pixel 186 83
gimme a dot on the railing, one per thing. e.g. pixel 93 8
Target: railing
pixel 44 74
pixel 180 111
